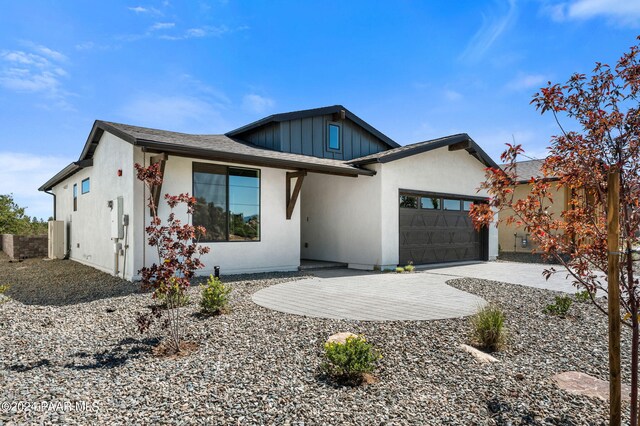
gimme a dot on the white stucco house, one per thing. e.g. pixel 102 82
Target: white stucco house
pixel 317 184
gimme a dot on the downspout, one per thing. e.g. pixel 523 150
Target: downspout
pixel 54 202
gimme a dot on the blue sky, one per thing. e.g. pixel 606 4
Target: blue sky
pixel 415 70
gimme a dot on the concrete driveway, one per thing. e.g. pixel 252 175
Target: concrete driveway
pixel 371 296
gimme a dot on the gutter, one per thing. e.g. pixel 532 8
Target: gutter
pixel 54 202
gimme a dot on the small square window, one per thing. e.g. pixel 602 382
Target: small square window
pixel 466 205
pixel 334 137
pixel 86 186
pixel 430 203
pixel 450 204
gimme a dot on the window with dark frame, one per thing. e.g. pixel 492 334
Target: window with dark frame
pixel 430 203
pixel 466 205
pixel 449 204
pixel 75 197
pixel 333 142
pixel 86 186
pixel 408 202
pixel 227 202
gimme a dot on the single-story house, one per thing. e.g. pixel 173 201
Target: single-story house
pixel 318 184
pixel 513 238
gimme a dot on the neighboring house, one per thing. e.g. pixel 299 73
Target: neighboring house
pixel 318 184
pixel 513 238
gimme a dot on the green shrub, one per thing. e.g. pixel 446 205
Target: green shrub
pixel 409 267
pixel 215 296
pixel 172 295
pixel 399 270
pixel 489 331
pixel 351 360
pixel 3 297
pixel 583 296
pixel 560 307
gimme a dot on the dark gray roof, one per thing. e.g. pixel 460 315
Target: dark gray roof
pixel 213 147
pixel 459 141
pixel 294 115
pixel 525 170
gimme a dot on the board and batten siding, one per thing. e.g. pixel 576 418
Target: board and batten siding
pixel 267 136
pixel 308 136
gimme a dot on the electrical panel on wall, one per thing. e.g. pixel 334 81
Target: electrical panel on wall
pixel 117 229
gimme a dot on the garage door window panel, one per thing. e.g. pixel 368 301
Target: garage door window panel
pixel 430 203
pixel 408 202
pixel 449 204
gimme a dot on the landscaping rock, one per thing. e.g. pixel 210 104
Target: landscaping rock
pixel 79 343
pixel 340 337
pixel 478 354
pixel 583 384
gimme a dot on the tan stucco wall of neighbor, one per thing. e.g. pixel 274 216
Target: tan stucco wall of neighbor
pixel 506 232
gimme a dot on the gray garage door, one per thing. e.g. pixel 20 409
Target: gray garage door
pixel 436 229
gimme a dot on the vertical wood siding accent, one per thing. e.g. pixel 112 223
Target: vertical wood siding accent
pixel 296 136
pixel 307 136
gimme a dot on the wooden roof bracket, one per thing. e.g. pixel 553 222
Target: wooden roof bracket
pixel 292 198
pixel 157 189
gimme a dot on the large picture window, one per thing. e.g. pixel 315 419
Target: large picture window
pixel 227 202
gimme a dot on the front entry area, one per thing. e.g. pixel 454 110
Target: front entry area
pixel 436 228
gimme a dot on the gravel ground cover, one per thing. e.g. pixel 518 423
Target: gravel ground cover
pixel 256 366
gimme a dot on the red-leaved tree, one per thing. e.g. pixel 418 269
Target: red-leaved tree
pixel 605 109
pixel 178 252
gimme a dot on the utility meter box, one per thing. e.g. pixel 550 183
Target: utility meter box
pixel 117 228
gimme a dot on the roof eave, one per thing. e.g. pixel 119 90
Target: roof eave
pixel 65 173
pixel 208 154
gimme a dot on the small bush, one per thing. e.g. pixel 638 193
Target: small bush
pixel 583 296
pixel 351 360
pixel 172 295
pixel 215 296
pixel 489 331
pixel 3 297
pixel 560 307
pixel 409 267
pixel 399 270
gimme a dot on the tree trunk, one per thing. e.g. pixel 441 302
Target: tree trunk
pixel 613 295
pixel 634 364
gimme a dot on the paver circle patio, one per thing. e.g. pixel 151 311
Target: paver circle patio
pixel 368 296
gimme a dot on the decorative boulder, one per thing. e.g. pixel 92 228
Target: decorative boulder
pixel 340 337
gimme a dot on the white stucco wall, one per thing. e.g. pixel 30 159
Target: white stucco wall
pixel 355 220
pixel 340 218
pixel 440 170
pixel 279 245
pixel 91 242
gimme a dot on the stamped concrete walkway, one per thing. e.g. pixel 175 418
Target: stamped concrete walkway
pixel 370 296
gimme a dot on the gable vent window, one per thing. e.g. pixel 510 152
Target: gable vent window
pixel 334 137
pixel 86 186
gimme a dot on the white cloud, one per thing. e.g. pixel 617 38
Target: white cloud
pixel 22 174
pixel 145 10
pixel 179 113
pixel 492 28
pixel 256 103
pixel 200 32
pixel 37 71
pixel 452 95
pixel 527 81
pixel 162 26
pixel 617 12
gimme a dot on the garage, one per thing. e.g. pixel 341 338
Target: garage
pixel 436 228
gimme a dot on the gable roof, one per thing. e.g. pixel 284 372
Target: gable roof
pixel 212 147
pixel 525 170
pixel 294 115
pixel 454 142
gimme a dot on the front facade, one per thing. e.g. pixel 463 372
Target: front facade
pixel 317 184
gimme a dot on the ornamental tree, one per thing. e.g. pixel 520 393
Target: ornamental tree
pixel 604 110
pixel 178 252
